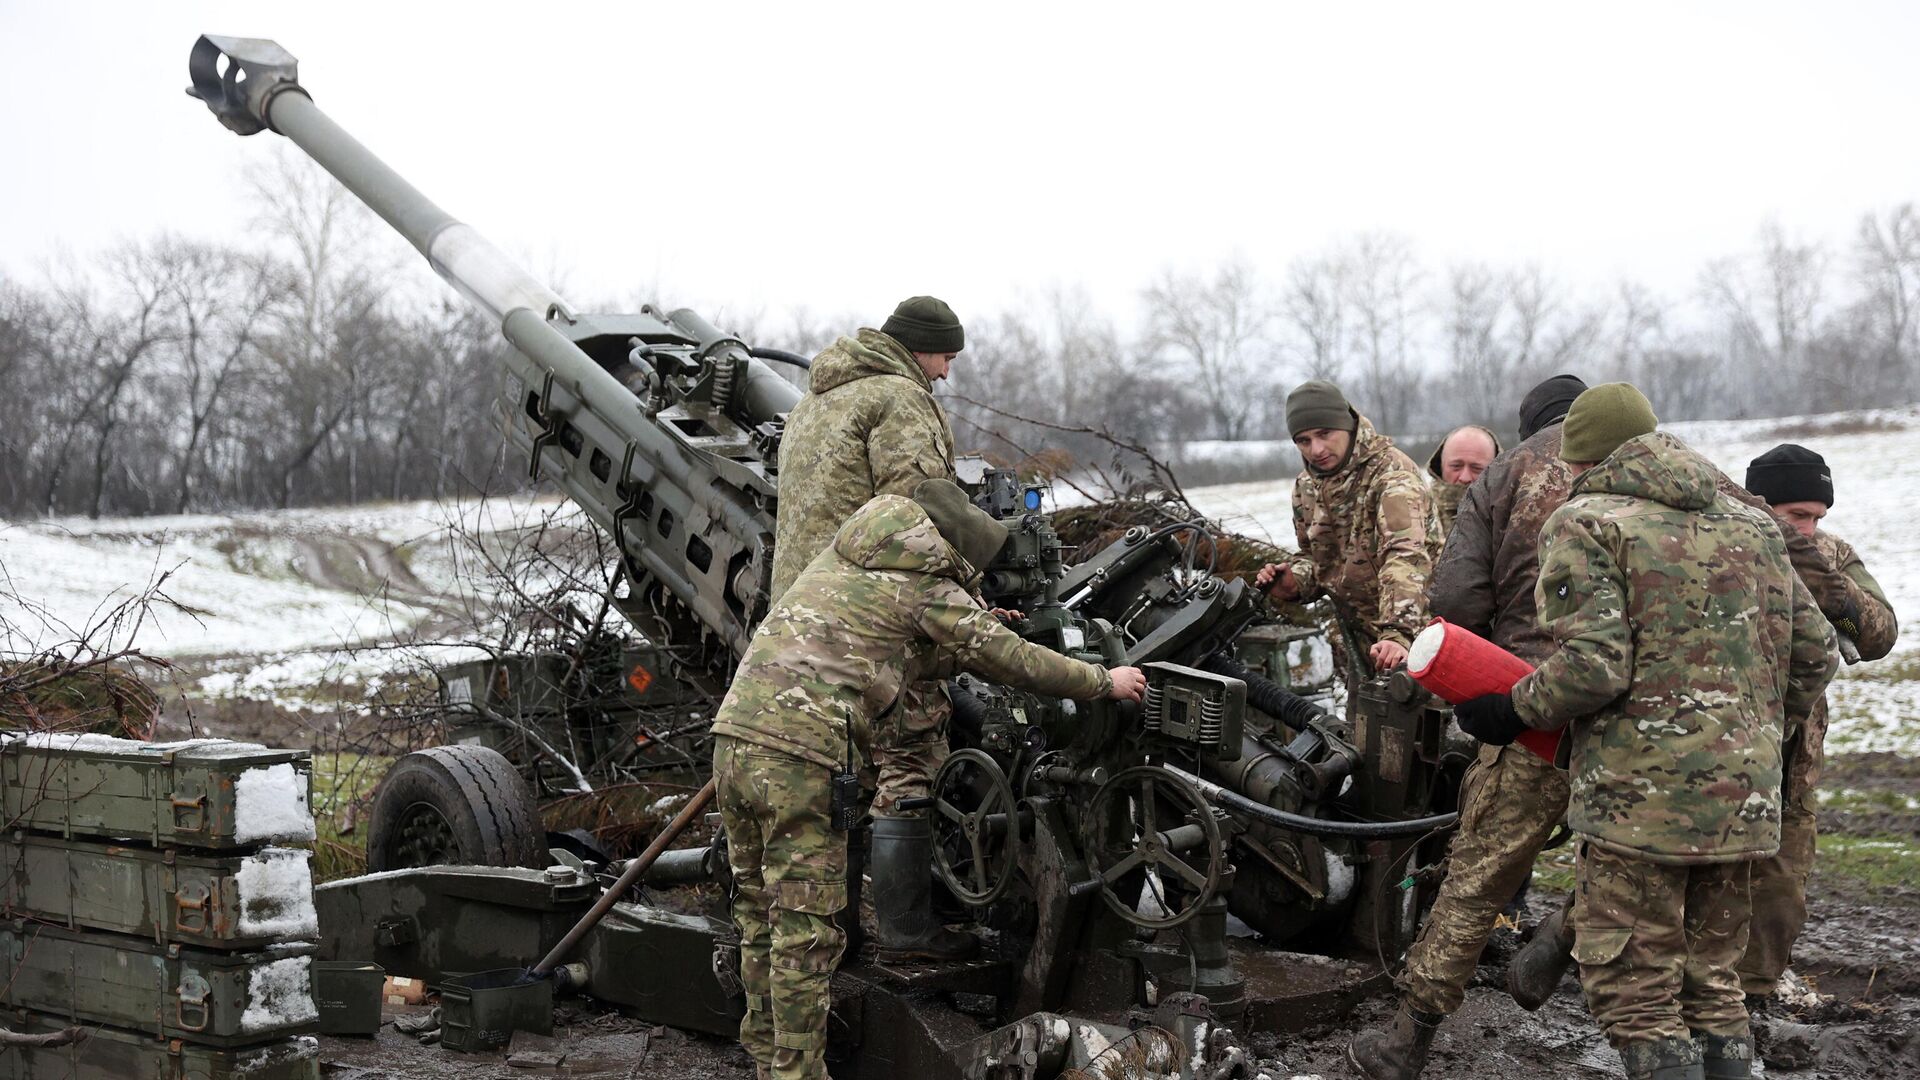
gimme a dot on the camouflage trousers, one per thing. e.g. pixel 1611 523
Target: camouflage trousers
pixel 1657 946
pixel 790 879
pixel 910 744
pixel 1780 883
pixel 1510 803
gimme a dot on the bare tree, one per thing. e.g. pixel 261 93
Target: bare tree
pixel 1219 328
pixel 1769 305
pixel 1887 314
pixel 1383 292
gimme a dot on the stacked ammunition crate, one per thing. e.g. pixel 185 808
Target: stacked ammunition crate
pixel 143 903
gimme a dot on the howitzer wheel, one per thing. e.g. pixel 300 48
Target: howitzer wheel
pixel 1169 828
pixel 454 806
pixel 975 831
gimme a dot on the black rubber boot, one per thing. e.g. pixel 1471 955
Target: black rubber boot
pixel 901 870
pixel 1725 1057
pixel 1665 1059
pixel 1542 962
pixel 1399 1052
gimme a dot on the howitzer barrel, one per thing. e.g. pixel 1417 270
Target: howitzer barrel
pixel 253 84
pixel 675 462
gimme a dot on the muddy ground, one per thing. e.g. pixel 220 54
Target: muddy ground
pixel 1859 957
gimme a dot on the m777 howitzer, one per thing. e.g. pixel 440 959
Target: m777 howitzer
pixel 1103 845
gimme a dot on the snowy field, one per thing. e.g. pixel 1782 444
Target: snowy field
pixel 263 604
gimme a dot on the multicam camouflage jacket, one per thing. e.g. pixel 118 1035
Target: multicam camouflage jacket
pixel 868 426
pixel 829 657
pixel 1685 639
pixel 1875 632
pixel 1363 537
pixel 1876 627
pixel 1485 576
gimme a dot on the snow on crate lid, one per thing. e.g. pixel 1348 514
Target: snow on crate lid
pixel 270 803
pixel 1425 647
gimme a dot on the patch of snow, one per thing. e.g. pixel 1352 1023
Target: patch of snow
pixel 89 743
pixel 1199 1059
pixel 276 894
pixel 1092 1039
pixel 270 803
pixel 280 995
pixel 1339 878
pixel 297 1048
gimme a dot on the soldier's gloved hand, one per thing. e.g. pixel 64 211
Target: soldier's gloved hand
pixel 1848 621
pixel 1491 718
pixel 1129 684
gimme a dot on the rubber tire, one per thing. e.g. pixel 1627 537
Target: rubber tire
pixel 480 794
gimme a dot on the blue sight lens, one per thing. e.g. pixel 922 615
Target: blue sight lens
pixel 1033 498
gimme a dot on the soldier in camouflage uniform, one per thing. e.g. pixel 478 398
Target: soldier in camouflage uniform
pixel 1511 799
pixel 870 425
pixel 1360 517
pixel 1685 641
pixel 801 708
pixel 1457 462
pixel 1797 484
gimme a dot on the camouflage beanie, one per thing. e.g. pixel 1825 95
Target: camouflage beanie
pixel 1603 418
pixel 1319 404
pixel 972 531
pixel 1788 474
pixel 925 324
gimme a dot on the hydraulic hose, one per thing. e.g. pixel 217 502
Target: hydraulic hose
pixel 1363 830
pixel 781 355
pixel 1266 695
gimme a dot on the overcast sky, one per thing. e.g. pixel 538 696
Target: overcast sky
pixel 842 156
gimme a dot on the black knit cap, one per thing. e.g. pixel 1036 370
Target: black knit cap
pixel 925 324
pixel 1788 474
pixel 1548 402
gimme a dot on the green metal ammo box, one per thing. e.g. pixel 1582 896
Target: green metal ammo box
pixel 111 1054
pixel 207 793
pixel 220 901
pixel 175 992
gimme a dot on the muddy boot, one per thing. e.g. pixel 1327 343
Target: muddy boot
pixel 1399 1052
pixel 1663 1059
pixel 1725 1057
pixel 1542 962
pixel 902 877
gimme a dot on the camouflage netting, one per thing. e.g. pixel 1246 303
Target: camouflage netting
pixel 51 694
pixel 625 817
pixel 1085 530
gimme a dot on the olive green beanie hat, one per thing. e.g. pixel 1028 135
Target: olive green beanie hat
pixel 1319 404
pixel 972 531
pixel 1603 418
pixel 925 324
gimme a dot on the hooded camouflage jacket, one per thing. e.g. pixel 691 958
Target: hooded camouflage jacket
pixel 1363 537
pixel 830 655
pixel 1685 639
pixel 1485 576
pixel 1877 631
pixel 869 425
pixel 1877 625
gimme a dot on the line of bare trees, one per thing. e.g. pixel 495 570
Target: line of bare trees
pixel 170 374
